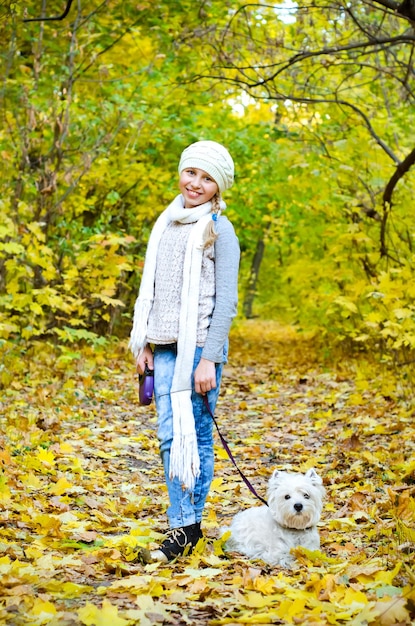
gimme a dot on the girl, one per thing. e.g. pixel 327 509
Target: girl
pixel 187 301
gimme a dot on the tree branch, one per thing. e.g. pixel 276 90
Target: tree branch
pixel 402 9
pixel 364 117
pixel 333 50
pixel 401 169
pixel 281 97
pixel 55 18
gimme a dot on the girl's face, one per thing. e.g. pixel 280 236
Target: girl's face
pixel 196 186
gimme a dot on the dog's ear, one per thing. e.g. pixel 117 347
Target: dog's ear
pixel 314 477
pixel 277 477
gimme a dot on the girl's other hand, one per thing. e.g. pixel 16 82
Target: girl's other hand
pixel 146 357
pixel 205 376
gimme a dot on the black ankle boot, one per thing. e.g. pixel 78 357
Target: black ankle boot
pixel 180 541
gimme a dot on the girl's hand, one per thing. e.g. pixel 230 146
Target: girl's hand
pixel 205 376
pixel 145 357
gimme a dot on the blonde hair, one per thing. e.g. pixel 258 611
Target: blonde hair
pixel 210 235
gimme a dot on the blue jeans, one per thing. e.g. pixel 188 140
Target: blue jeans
pixel 186 507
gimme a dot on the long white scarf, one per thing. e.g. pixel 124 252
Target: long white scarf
pixel 184 456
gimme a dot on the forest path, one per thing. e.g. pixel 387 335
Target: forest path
pixel 82 489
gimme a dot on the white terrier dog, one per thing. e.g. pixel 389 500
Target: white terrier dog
pixel 295 502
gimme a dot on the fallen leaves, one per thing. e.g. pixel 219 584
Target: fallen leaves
pixel 81 491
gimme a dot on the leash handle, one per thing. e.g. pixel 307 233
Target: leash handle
pixel 230 455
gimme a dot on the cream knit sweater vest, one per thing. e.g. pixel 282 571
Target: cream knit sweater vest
pixel 163 321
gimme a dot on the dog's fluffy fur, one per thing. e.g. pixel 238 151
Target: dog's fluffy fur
pixel 295 502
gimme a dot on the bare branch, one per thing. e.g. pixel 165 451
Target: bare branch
pixel 402 168
pixel 404 9
pixel 302 56
pixel 388 4
pixel 56 17
pixel 281 97
pixel 361 114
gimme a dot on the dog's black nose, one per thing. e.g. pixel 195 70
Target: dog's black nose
pixel 298 507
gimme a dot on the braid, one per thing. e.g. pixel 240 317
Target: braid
pixel 210 235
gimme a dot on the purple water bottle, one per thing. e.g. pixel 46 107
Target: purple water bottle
pixel 146 386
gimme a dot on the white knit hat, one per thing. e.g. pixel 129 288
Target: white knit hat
pixel 212 158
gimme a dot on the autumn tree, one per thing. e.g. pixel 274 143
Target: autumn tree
pixel 339 80
pixel 89 140
pixel 358 58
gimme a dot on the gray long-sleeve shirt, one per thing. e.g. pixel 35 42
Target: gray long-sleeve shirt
pixel 227 255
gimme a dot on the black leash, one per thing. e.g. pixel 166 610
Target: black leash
pixel 230 455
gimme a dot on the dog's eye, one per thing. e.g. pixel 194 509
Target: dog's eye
pixel 306 496
pixel 287 497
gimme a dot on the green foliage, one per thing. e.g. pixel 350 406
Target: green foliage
pixel 85 172
pixel 341 119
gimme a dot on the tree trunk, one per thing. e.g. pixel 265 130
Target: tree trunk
pixel 253 277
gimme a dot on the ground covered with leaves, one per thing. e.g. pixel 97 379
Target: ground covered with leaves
pixel 81 490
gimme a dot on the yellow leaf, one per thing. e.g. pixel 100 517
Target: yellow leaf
pixel 12 247
pixel 104 455
pixel 387 577
pixel 216 482
pixel 46 457
pixel 221 453
pixel 353 598
pixel 33 553
pixel 90 615
pixel 35 228
pixel 145 602
pixel 60 487
pixel 205 572
pixel 218 544
pixel 5 564
pixel 402 313
pixel 131 582
pixel 73 590
pixel 47 522
pixel 32 481
pixel 405 533
pixel 220 487
pixel 43 608
pixel 346 304
pixel 5 493
pixel 285 610
pixel 46 562
pixel 109 616
pixel 392 611
pixel 107 300
pixel 256 600
pixel 342 523
pixel 256 618
pixel 368 615
pixel 263 584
